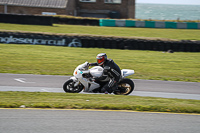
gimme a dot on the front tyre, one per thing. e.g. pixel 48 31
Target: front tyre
pixel 69 87
pixel 125 87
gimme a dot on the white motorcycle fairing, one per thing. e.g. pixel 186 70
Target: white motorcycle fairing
pixel 81 70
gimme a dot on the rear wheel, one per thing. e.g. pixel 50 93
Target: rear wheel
pixel 125 87
pixel 70 88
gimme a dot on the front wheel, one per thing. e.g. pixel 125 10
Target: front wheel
pixel 69 87
pixel 125 87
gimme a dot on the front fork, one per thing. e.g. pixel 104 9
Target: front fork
pixel 76 82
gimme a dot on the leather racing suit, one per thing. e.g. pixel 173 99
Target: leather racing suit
pixel 111 70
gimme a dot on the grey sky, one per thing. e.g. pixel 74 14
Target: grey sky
pixel 185 2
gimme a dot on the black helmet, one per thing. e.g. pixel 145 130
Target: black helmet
pixel 101 58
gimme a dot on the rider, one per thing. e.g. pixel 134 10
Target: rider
pixel 111 70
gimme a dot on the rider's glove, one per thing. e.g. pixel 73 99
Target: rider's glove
pixel 91 79
pixel 88 64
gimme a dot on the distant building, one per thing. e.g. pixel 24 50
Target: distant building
pixel 86 8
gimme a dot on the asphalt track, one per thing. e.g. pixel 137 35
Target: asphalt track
pixel 80 121
pixel 90 121
pixel 49 83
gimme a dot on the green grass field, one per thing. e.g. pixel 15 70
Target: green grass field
pixel 148 33
pixel 106 102
pixel 54 60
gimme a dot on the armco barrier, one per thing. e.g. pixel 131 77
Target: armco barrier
pixel 130 23
pixel 171 25
pixel 159 24
pixel 193 26
pixel 148 24
pixel 107 22
pixel 98 42
pixel 26 19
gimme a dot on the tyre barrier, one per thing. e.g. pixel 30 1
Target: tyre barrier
pixel 45 20
pixel 75 21
pixel 139 44
pixel 26 19
pixel 98 42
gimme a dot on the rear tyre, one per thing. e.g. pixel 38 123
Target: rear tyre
pixel 69 87
pixel 125 87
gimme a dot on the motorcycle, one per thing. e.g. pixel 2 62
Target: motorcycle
pixel 82 81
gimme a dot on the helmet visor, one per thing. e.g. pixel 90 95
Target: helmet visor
pixel 100 60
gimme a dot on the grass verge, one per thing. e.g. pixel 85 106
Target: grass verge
pixel 54 60
pixel 105 102
pixel 155 33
